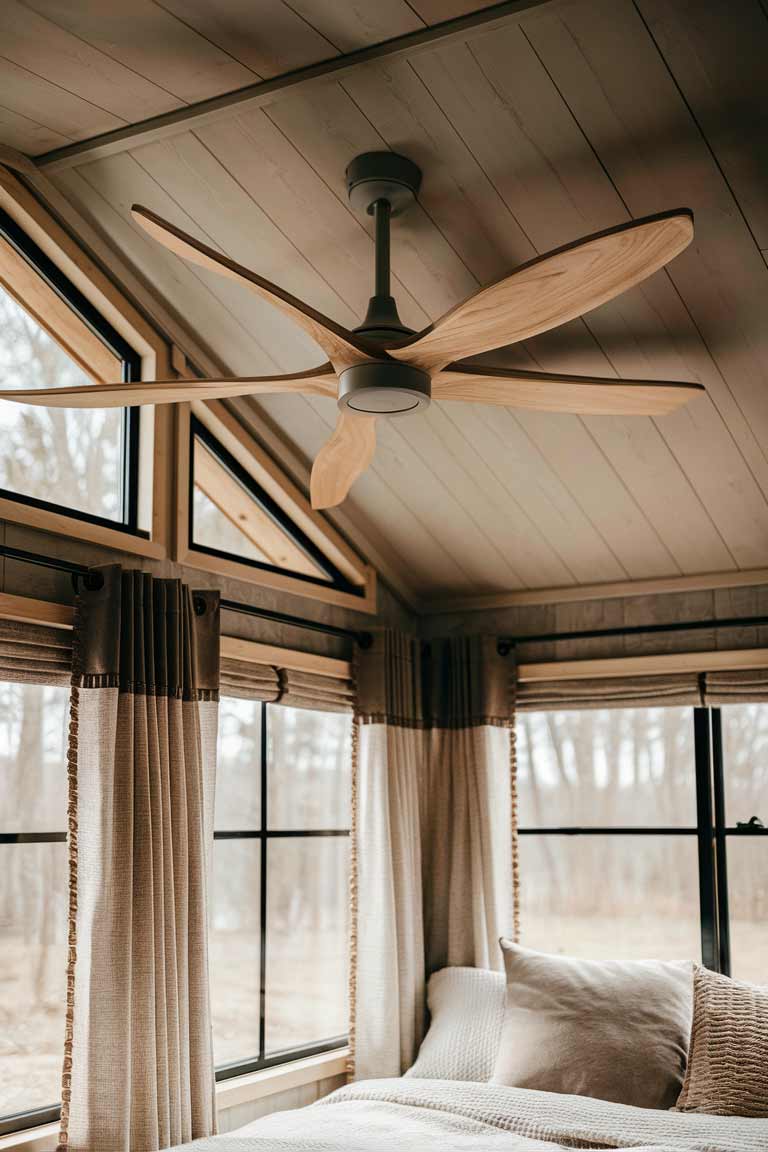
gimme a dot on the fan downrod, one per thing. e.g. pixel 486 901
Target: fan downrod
pixel 383 185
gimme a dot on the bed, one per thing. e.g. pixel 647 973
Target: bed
pixel 411 1115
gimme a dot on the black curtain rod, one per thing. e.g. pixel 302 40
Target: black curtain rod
pixel 92 580
pixel 508 643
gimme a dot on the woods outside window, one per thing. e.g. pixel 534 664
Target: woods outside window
pixel 279 902
pixel 641 834
pixel 79 462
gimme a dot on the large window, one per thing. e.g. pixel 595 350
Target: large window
pixel 280 881
pixel 33 897
pixel 79 461
pixel 641 834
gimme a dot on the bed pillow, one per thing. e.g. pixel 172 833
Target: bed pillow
pixel 612 1029
pixel 466 1007
pixel 727 1073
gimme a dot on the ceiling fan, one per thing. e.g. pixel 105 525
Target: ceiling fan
pixel 383 368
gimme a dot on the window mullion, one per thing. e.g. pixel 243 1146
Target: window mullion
pixel 707 882
pixel 721 863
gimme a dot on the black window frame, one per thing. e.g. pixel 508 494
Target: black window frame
pixel 335 579
pixel 19 1121
pixel 264 834
pixel 130 360
pixel 710 830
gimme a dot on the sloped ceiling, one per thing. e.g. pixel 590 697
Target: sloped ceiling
pixel 571 118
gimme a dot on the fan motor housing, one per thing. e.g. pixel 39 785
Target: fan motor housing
pixel 384 388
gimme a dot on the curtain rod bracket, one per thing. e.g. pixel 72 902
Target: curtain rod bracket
pixel 92 581
pixel 504 647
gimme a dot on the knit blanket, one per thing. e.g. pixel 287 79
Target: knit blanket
pixel 413 1115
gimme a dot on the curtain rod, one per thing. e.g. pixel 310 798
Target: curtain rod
pixel 507 643
pixel 90 578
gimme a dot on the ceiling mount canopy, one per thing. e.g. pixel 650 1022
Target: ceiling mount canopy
pixel 383 368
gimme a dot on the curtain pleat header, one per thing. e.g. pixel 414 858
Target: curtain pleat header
pixel 456 682
pixel 147 636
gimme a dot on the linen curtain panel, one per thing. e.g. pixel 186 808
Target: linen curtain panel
pixel 433 831
pixel 138 1065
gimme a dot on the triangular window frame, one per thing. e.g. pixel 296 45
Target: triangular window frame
pixel 333 578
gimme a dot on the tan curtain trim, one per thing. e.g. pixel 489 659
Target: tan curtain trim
pixel 445 723
pixel 514 813
pixel 353 897
pixel 138 688
pixel 72 746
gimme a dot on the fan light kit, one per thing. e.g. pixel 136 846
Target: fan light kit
pixel 384 369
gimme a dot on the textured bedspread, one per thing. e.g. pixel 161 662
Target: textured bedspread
pixel 426 1115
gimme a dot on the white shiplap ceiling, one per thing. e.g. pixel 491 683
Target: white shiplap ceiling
pixel 569 119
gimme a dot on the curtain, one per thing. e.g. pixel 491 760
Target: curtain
pixel 432 831
pixel 138 1066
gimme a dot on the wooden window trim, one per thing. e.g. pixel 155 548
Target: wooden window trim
pixel 31 292
pixel 240 444
pixel 232 1093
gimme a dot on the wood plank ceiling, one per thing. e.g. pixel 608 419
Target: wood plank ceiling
pixel 573 117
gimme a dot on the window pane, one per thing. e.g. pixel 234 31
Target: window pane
pixel 235 944
pixel 67 456
pixel 307 898
pixel 617 767
pixel 33 959
pixel 745 762
pixel 309 761
pixel 748 906
pixel 238 773
pixel 622 897
pixel 227 517
pixel 34 723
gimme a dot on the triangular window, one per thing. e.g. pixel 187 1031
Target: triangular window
pixel 233 517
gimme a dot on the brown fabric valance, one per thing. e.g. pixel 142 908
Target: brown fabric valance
pixel 744 686
pixel 275 685
pixel 147 636
pixel 610 692
pixel 35 653
pixel 457 682
pixel 249 681
pixel 310 690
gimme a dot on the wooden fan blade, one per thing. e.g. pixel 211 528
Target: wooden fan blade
pixel 341 346
pixel 343 458
pixel 551 290
pixel 549 392
pixel 319 382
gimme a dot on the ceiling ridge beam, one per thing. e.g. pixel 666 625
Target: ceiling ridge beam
pixel 263 91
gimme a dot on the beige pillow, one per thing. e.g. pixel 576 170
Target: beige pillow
pixel 727 1072
pixel 613 1029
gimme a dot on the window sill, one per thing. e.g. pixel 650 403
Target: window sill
pixel 229 1094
